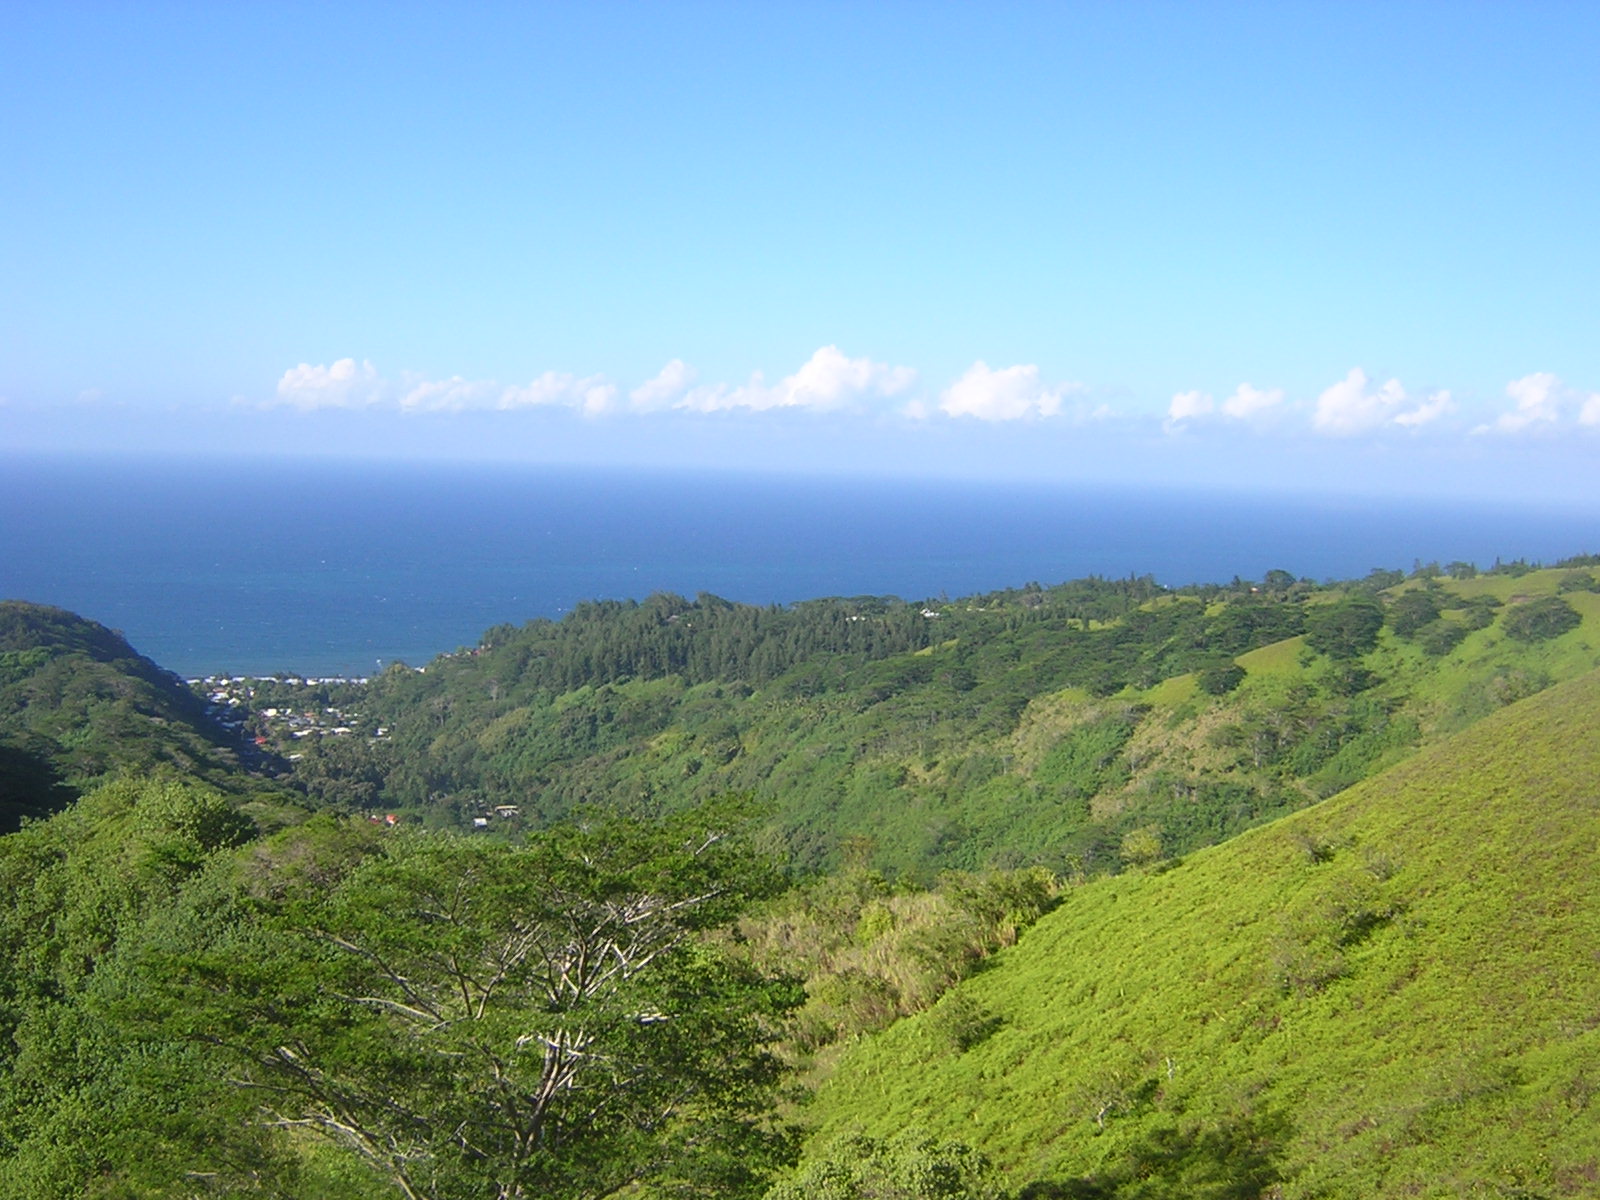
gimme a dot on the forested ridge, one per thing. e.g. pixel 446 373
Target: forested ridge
pixel 1033 726
pixel 592 907
pixel 77 702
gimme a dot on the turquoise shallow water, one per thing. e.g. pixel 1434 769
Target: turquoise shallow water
pixel 327 568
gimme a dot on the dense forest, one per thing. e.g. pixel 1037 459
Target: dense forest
pixel 1096 890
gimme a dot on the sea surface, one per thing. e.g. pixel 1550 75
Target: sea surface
pixel 339 569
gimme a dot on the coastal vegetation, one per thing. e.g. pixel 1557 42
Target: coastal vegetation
pixel 1270 888
pixel 1037 726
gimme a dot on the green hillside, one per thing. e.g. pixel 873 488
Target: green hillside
pixel 1036 726
pixel 78 703
pixel 1395 993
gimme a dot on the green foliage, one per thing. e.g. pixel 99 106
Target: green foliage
pixel 984 750
pixel 1345 629
pixel 81 1098
pixel 1390 994
pixel 1478 612
pixel 961 1021
pixel 78 704
pixel 1578 581
pixel 467 1017
pixel 1141 848
pixel 870 954
pixel 1219 681
pixel 409 1010
pixel 907 1166
pixel 1412 611
pixel 1540 619
pixel 1439 638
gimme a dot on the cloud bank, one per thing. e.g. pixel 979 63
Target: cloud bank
pixel 828 382
pixel 833 382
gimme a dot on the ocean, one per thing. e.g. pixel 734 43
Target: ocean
pixel 323 568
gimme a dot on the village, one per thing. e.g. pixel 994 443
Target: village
pixel 273 717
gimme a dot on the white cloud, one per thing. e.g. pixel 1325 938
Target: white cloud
pixel 447 395
pixel 1247 402
pixel 1536 401
pixel 669 383
pixel 591 394
pixel 345 384
pixel 1186 406
pixel 1009 394
pixel 1349 407
pixel 1431 409
pixel 829 380
pixel 826 382
pixel 1589 414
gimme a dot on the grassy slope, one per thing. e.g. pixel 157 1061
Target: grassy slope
pixel 1394 993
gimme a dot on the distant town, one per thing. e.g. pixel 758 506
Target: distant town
pixel 276 712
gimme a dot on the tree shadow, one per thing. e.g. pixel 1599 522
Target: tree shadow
pixel 31 787
pixel 1238 1160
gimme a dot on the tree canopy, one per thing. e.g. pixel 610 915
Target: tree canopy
pixel 471 1018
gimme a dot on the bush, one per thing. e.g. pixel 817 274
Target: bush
pixel 1218 681
pixel 910 1166
pixel 1440 637
pixel 1412 612
pixel 1345 630
pixel 1578 581
pixel 1541 619
pixel 960 1022
pixel 1478 613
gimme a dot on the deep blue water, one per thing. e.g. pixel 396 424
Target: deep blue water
pixel 331 570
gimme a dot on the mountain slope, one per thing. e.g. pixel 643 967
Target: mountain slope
pixel 1396 992
pixel 1041 726
pixel 77 702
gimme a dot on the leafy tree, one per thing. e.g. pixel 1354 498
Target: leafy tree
pixel 1478 613
pixel 472 1019
pixel 1438 638
pixel 1141 847
pixel 1578 581
pixel 1541 619
pixel 1411 611
pixel 1277 581
pixel 1345 629
pixel 1381 577
pixel 1220 680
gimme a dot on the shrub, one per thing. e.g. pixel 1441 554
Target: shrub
pixel 1578 581
pixel 1141 847
pixel 1218 681
pixel 1347 629
pixel 960 1022
pixel 1440 637
pixel 1478 613
pixel 1413 611
pixel 1541 619
pixel 910 1166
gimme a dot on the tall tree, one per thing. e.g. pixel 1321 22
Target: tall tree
pixel 474 1019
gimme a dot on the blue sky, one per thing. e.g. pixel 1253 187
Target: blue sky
pixel 1333 247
